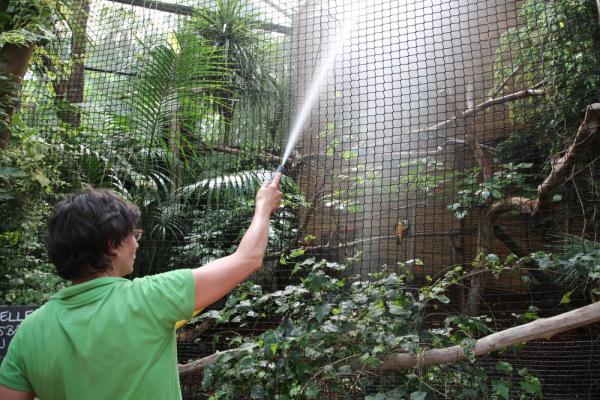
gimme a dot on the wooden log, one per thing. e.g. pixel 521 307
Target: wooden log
pixel 543 328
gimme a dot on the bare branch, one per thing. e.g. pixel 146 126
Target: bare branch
pixel 560 164
pixel 535 91
pixel 505 81
pixel 504 99
pixel 524 205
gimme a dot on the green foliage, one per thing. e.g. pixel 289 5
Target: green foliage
pixel 223 208
pixel 23 22
pixel 194 205
pixel 8 98
pixel 557 43
pixel 232 30
pixel 333 331
pixel 29 183
pixel 26 22
pixel 508 180
pixel 169 96
pixel 575 267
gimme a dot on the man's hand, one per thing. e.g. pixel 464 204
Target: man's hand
pixel 268 197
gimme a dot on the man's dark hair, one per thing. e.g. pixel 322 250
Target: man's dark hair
pixel 83 226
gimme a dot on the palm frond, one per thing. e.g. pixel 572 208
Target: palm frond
pixel 174 81
pixel 222 188
pixel 577 262
pixel 169 221
pixel 232 29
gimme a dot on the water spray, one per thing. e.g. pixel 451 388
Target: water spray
pixel 315 88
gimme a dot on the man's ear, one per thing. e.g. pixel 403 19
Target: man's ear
pixel 112 249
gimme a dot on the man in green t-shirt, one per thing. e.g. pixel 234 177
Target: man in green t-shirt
pixel 107 337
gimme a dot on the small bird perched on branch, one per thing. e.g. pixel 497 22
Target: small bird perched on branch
pixel 402 229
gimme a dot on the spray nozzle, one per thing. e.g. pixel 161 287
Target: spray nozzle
pixel 279 169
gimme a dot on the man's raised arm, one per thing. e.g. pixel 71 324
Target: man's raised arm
pixel 219 277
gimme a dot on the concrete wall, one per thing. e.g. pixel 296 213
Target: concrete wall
pixel 406 67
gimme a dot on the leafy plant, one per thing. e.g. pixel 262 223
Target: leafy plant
pixel 575 267
pixel 23 22
pixel 332 332
pixel 508 180
pixel 168 101
pixel 557 44
pixel 223 208
pixel 29 183
pixel 232 30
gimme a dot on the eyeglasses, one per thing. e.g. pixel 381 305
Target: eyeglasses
pixel 137 234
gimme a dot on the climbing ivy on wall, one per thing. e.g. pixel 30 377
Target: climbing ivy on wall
pixel 557 46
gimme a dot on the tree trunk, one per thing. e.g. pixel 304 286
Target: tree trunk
pixel 70 91
pixel 485 237
pixel 13 66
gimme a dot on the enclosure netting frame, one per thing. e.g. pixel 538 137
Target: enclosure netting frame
pixel 416 154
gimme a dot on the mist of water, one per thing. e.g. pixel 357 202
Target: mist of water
pixel 315 86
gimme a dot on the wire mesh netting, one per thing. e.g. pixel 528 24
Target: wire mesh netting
pixel 430 135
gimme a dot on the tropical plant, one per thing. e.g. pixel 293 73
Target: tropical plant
pixel 232 29
pixel 222 209
pixel 575 267
pixel 153 158
pixel 170 99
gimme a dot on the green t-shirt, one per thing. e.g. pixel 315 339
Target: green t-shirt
pixel 108 338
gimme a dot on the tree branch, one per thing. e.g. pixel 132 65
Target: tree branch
pixel 272 158
pixel 190 335
pixel 561 163
pixel 543 328
pixel 535 91
pixel 508 78
pixel 524 205
pixel 199 365
pixel 560 167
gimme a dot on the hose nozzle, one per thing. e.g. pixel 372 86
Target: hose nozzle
pixel 279 169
